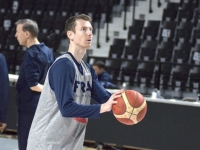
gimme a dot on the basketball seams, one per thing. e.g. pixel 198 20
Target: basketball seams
pixel 129 110
pixel 133 116
pixel 136 96
pixel 119 107
pixel 136 111
pixel 134 119
pixel 129 115
pixel 128 106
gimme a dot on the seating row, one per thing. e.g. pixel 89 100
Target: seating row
pixel 152 73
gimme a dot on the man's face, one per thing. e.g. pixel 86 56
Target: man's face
pixel 21 35
pixel 83 34
pixel 98 70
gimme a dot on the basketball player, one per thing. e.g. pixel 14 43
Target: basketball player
pixel 4 88
pixel 36 61
pixel 64 106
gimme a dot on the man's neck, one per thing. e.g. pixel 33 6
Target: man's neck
pixel 77 53
pixel 31 42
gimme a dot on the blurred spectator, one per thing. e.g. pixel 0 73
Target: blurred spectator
pixel 103 76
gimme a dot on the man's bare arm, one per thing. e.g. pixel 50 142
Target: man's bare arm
pixel 37 88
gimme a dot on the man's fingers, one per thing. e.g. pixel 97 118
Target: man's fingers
pixel 114 102
pixel 120 91
pixel 117 96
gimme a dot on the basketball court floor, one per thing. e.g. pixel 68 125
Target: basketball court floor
pixel 8 142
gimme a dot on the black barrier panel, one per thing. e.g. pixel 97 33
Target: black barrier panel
pixel 165 127
pixel 12 110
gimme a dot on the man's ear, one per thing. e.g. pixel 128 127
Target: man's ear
pixel 27 34
pixel 70 35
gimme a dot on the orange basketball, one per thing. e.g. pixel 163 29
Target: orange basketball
pixel 131 107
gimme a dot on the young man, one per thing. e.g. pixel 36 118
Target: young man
pixel 35 64
pixel 4 88
pixel 103 76
pixel 61 116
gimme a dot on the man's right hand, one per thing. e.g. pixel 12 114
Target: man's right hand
pixel 108 105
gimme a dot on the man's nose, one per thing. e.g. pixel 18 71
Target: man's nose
pixel 89 32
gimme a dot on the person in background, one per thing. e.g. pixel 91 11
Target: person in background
pixel 64 107
pixel 4 90
pixel 35 64
pixel 103 76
